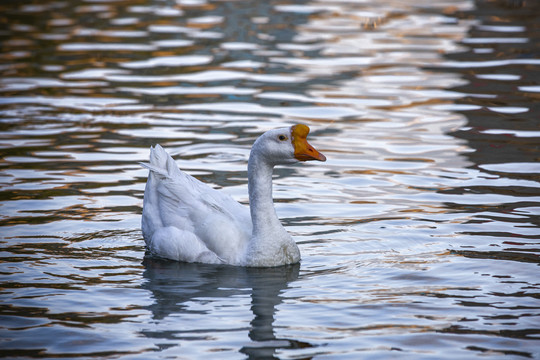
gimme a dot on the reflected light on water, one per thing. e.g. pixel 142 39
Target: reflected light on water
pixel 419 235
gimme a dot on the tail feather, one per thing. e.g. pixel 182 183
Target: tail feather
pixel 161 162
pixel 157 170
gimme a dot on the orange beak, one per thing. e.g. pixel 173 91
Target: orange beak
pixel 303 151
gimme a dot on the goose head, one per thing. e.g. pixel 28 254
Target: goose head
pixel 286 146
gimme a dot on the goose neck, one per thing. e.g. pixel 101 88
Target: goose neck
pixel 263 214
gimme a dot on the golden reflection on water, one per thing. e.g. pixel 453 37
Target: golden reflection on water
pixel 422 226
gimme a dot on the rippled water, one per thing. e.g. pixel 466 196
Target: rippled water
pixel 420 234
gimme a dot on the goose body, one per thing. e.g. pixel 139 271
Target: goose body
pixel 186 220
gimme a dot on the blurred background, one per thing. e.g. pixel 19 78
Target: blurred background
pixel 419 236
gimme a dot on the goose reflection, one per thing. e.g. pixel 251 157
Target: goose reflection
pixel 174 285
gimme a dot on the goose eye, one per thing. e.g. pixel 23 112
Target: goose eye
pixel 282 137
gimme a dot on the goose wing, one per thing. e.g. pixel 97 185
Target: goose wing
pixel 175 199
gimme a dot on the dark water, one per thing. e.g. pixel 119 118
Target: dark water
pixel 420 236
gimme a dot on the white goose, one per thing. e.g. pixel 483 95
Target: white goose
pixel 186 220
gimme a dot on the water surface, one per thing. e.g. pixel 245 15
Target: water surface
pixel 419 236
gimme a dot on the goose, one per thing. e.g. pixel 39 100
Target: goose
pixel 184 219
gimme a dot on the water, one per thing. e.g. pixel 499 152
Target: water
pixel 420 234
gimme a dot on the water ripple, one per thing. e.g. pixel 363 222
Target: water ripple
pixel 419 235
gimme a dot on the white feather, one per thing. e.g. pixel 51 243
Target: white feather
pixel 186 220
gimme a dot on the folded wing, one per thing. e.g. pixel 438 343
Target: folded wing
pixel 187 220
